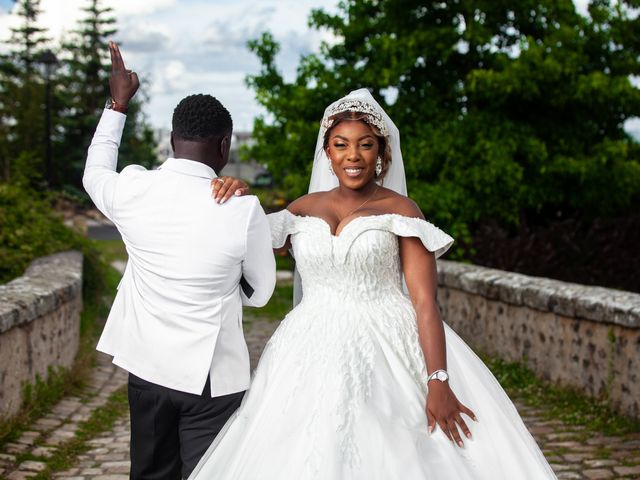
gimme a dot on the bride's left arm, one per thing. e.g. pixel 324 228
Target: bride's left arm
pixel 443 408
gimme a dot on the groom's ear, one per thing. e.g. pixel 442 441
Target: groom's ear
pixel 225 144
pixel 173 147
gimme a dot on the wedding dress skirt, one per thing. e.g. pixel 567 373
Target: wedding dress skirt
pixel 340 390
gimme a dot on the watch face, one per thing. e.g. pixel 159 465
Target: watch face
pixel 442 376
pixel 109 103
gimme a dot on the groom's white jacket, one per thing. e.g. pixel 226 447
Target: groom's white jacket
pixel 177 316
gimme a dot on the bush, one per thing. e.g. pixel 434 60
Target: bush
pixel 32 229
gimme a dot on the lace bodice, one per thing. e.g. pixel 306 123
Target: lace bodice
pixel 352 286
pixel 360 264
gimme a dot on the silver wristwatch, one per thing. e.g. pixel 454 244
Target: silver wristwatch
pixel 441 375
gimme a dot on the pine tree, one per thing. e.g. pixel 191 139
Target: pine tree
pixel 86 88
pixel 85 80
pixel 22 88
pixel 28 39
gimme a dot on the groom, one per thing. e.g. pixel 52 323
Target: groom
pixel 176 322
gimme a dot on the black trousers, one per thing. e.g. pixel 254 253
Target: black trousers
pixel 171 430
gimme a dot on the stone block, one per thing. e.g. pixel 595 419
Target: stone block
pixel 579 336
pixel 39 325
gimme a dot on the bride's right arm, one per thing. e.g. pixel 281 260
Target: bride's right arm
pixel 299 207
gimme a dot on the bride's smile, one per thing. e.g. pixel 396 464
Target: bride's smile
pixel 353 149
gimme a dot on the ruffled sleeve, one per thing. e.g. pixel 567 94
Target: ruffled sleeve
pixel 283 224
pixel 434 239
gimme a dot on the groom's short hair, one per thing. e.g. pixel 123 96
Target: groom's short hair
pixel 201 117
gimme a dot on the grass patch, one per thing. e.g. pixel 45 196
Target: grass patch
pixel 279 305
pixel 99 284
pixel 99 287
pixel 285 262
pixel 112 250
pixel 102 419
pixel 568 405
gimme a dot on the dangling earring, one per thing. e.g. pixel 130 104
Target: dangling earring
pixel 378 167
pixel 331 168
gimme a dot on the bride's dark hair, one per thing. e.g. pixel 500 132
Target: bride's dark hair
pixel 383 141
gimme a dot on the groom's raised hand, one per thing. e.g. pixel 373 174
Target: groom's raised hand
pixel 123 83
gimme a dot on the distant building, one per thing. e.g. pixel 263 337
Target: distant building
pixel 163 145
pixel 247 171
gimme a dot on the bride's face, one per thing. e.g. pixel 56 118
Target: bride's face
pixel 353 150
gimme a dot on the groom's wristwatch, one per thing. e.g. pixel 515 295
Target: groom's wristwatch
pixel 113 105
pixel 441 375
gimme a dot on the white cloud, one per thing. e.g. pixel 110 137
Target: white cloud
pixel 193 46
pixel 145 37
pixel 138 7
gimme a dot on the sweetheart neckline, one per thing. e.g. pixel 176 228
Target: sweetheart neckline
pixel 334 236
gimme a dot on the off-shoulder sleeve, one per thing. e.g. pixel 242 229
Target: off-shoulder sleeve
pixel 283 224
pixel 434 239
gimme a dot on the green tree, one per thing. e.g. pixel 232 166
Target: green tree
pixel 86 77
pixel 510 111
pixel 22 95
pixel 28 39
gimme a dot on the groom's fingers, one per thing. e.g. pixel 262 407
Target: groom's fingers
pixel 112 54
pixel 117 63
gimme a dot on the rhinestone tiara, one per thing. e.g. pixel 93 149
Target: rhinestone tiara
pixel 373 116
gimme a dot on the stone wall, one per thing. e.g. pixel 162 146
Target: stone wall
pixel 39 324
pixel 570 334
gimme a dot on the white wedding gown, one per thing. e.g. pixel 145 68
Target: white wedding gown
pixel 339 392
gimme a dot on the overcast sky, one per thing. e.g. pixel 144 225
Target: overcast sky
pixel 198 46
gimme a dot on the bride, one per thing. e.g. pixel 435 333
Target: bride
pixel 361 381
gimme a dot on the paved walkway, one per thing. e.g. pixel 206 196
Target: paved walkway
pixel 571 454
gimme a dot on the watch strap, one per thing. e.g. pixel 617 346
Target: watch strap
pixel 116 106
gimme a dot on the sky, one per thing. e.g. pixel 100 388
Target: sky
pixel 181 47
pixel 195 46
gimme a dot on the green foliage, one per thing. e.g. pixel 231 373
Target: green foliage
pixel 507 111
pixel 79 89
pixel 30 229
pixel 99 284
pixel 28 39
pixel 85 79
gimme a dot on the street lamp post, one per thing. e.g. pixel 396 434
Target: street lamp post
pixel 49 60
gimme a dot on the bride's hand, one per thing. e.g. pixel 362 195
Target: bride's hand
pixel 223 188
pixel 444 410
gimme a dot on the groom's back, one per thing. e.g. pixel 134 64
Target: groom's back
pixel 176 319
pixel 178 238
pixel 179 301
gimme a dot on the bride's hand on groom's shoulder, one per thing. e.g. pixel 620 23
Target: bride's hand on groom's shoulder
pixel 445 411
pixel 223 188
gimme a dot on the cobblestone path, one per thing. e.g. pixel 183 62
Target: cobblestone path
pixel 573 455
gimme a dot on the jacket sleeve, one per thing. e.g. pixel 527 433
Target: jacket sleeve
pixel 259 265
pixel 100 176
